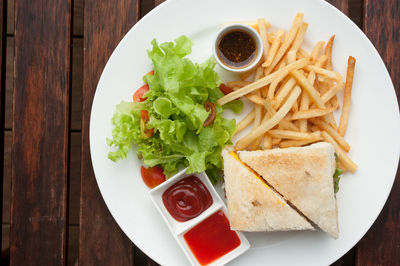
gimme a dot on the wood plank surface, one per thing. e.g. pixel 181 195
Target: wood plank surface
pixel 381 245
pixel 78 18
pixel 2 101
pixel 101 242
pixel 76 88
pixel 40 137
pixel 7 177
pixel 342 5
pixel 10 17
pixel 9 86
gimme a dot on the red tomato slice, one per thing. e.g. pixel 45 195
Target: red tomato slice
pixel 138 96
pixel 225 88
pixel 150 73
pixel 152 176
pixel 144 115
pixel 144 118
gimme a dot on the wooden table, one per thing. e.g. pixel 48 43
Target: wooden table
pixel 45 135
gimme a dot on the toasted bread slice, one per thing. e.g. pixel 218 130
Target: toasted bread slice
pixel 253 205
pixel 304 177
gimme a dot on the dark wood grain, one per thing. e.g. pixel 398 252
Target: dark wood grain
pixel 73 244
pixel 3 8
pixel 381 245
pixel 10 17
pixel 76 88
pixel 101 242
pixel 9 86
pixel 157 2
pixel 342 5
pixel 40 132
pixel 7 176
pixel 78 18
pixel 74 178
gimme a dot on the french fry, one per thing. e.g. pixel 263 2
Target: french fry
pixel 283 92
pixel 321 61
pixel 261 82
pixel 297 22
pixel 274 48
pixel 328 52
pixel 291 56
pixel 344 118
pixel 342 156
pixel 255 99
pixel 295 106
pixel 299 38
pixel 309 88
pixel 311 113
pixel 332 92
pixel 297 143
pixel 304 53
pixel 267 142
pixel 295 100
pixel 287 134
pixel 328 128
pixel 270 123
pixel 274 83
pixel 276 141
pixel 305 102
pixel 317 50
pixel 246 121
pixel 327 73
pixel 263 34
pixel 288 125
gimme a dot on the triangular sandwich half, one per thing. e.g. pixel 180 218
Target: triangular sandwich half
pixel 252 204
pixel 304 177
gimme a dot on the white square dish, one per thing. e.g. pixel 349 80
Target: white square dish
pixel 178 229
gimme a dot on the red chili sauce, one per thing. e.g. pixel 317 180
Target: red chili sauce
pixel 212 238
pixel 187 198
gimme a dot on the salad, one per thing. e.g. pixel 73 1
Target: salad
pixel 174 119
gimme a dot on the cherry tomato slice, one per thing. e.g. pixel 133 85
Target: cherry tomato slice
pixel 152 176
pixel 144 118
pixel 144 115
pixel 150 73
pixel 138 96
pixel 225 88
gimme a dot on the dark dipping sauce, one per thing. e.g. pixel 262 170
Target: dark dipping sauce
pixel 212 238
pixel 237 49
pixel 187 199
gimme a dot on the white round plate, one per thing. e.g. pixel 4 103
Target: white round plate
pixel 373 132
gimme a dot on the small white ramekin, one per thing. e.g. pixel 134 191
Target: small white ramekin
pixel 247 29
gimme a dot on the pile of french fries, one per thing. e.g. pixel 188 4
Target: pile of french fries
pixel 294 94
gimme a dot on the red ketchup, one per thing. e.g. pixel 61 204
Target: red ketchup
pixel 187 199
pixel 212 238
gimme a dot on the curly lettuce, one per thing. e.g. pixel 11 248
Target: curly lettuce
pixel 175 104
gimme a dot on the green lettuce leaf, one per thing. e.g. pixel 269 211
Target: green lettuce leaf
pixel 336 179
pixel 175 103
